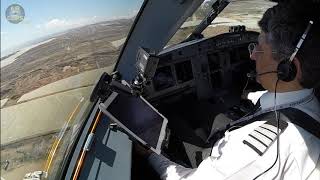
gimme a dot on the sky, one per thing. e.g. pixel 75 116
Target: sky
pixel 45 17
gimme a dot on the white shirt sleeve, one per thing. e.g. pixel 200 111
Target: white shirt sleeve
pixel 168 169
pixel 229 156
pixel 232 159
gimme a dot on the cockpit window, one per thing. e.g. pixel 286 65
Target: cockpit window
pixel 237 13
pixel 51 54
pixel 191 23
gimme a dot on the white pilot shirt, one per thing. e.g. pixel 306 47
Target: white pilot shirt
pixel 231 158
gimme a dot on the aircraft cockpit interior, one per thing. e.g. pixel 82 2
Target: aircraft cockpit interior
pixel 187 84
pixel 157 78
pixel 197 80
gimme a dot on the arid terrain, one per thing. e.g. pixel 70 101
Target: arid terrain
pixel 67 54
pixel 70 53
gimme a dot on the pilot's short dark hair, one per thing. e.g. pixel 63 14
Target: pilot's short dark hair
pixel 284 25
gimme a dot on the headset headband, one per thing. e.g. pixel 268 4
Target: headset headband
pixel 303 37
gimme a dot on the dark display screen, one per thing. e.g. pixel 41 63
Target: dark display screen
pixel 138 117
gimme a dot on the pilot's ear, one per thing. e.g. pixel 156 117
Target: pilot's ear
pixel 297 63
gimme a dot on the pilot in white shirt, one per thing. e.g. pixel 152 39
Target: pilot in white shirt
pixel 253 151
pixel 231 158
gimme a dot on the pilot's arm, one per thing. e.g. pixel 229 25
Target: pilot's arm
pixel 240 156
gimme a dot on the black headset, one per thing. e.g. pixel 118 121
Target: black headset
pixel 287 70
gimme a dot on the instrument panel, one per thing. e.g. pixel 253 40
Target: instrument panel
pixel 210 67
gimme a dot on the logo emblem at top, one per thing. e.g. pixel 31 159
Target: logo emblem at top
pixel 15 13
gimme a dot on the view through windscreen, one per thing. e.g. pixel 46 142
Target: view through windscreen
pixel 238 12
pixel 52 52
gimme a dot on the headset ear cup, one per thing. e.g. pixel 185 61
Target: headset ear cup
pixel 286 71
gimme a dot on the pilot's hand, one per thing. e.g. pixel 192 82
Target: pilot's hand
pixel 141 151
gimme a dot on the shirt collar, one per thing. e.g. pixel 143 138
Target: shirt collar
pixel 267 99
